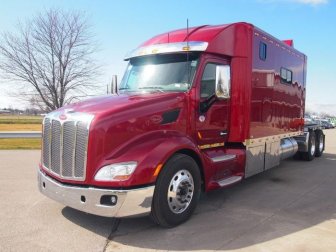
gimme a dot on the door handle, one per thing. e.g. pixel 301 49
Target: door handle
pixel 223 133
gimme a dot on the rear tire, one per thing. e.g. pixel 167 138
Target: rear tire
pixel 177 191
pixel 310 154
pixel 319 143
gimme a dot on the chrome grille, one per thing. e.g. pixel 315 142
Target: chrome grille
pixel 69 140
pixel 46 142
pixel 81 140
pixel 55 146
pixel 65 144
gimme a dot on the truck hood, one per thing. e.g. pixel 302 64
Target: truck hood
pixel 111 104
pixel 122 122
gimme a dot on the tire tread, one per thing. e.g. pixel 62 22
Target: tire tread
pixel 158 203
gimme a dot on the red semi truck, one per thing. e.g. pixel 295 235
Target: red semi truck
pixel 197 109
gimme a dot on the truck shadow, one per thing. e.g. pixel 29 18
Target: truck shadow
pixel 284 200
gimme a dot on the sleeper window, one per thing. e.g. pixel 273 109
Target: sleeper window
pixel 286 75
pixel 262 51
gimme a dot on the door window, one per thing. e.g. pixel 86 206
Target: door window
pixel 208 81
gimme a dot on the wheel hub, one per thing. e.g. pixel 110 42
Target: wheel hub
pixel 312 149
pixel 321 144
pixel 180 191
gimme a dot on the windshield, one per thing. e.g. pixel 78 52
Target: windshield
pixel 160 73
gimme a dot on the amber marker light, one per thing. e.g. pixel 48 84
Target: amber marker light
pixel 157 170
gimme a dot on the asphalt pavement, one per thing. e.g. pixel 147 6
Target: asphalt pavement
pixel 288 208
pixel 20 134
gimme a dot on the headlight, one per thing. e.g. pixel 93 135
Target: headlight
pixel 116 172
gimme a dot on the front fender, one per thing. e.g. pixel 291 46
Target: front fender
pixel 149 151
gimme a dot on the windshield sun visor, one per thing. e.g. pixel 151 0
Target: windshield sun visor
pixel 192 46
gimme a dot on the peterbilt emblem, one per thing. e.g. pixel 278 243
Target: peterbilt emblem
pixel 62 117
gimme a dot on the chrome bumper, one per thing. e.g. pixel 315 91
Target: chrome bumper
pixel 129 202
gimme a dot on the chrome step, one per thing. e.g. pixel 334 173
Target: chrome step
pixel 223 158
pixel 229 180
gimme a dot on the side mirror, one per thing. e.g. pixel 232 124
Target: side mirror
pixel 223 82
pixel 114 85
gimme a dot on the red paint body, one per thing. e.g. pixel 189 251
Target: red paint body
pixel 127 127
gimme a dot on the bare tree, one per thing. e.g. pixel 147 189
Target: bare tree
pixel 52 55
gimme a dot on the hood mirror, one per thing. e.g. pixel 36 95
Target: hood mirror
pixel 114 85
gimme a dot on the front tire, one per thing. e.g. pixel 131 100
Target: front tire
pixel 177 191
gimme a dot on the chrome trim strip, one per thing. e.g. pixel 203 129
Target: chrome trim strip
pixel 61 150
pixel 86 147
pixel 168 48
pixel 223 158
pixel 230 180
pixel 50 132
pixel 208 146
pixel 272 138
pixel 129 202
pixel 74 151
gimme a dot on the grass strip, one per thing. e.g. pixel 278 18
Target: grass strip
pixel 20 127
pixel 21 119
pixel 20 143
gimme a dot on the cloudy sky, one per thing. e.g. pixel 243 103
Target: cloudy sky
pixel 121 26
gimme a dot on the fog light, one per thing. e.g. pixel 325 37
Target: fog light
pixel 109 200
pixel 113 200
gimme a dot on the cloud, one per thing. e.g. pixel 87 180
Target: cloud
pixel 307 2
pixel 311 2
pixel 319 109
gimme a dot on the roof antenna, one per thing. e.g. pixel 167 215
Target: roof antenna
pixel 187 32
pixel 168 37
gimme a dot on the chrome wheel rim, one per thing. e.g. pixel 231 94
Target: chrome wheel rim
pixel 321 144
pixel 180 191
pixel 312 149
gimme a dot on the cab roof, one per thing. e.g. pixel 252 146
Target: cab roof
pixel 233 39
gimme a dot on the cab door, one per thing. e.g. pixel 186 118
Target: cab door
pixel 213 113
